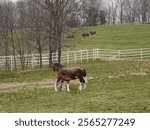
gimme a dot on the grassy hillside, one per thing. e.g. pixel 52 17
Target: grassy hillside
pixel 114 37
pixel 112 87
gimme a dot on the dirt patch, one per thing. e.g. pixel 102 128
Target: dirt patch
pixel 143 74
pixel 32 84
pixel 15 86
pixel 140 74
pixel 8 87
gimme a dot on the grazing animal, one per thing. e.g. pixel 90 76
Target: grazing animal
pixel 92 33
pixel 85 35
pixel 67 74
pixel 70 37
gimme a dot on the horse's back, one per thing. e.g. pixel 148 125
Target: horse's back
pixel 75 71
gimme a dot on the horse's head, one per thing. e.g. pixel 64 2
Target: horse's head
pixel 57 66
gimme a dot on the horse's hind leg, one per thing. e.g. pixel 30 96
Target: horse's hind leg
pixel 68 86
pixel 56 84
pixel 61 85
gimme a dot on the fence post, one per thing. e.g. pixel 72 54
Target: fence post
pixel 141 54
pixel 93 54
pixel 97 53
pixel 87 55
pixel 67 57
pixel 119 54
pixel 53 57
pixel 32 60
pixel 81 56
pixel 75 57
pixel 11 62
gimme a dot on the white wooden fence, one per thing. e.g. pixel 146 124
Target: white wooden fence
pixel 142 54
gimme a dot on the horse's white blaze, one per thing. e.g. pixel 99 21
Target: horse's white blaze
pixel 68 87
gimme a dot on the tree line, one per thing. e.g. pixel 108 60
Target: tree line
pixel 34 26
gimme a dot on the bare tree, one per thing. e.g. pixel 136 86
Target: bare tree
pixel 145 5
pixel 112 8
pixel 57 13
pixel 21 33
pixel 131 9
pixel 121 4
pixel 36 27
pixel 92 12
pixel 8 27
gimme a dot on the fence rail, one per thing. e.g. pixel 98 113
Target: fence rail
pixel 142 54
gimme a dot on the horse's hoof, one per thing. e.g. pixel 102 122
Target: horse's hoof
pixel 56 90
pixel 84 88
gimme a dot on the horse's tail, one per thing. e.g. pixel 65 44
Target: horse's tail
pixel 84 72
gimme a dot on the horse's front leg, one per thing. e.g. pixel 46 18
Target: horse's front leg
pixel 80 86
pixel 82 83
pixel 68 90
pixel 84 86
pixel 56 83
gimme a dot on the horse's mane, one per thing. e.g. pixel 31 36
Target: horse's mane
pixel 57 66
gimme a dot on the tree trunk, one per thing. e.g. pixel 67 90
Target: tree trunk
pixel 50 52
pixel 6 53
pixel 14 49
pixel 40 52
pixel 59 51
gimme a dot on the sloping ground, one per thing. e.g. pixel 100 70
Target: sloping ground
pixel 114 37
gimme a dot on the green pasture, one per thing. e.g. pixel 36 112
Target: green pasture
pixel 114 37
pixel 27 75
pixel 112 87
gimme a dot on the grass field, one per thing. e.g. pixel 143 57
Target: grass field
pixel 113 86
pixel 114 37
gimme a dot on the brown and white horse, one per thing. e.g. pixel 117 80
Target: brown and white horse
pixel 92 33
pixel 85 35
pixel 67 74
